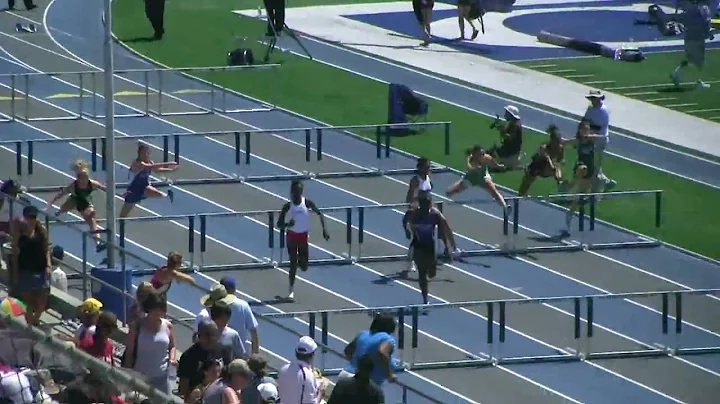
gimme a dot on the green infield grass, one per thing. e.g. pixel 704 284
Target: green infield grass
pixel 647 81
pixel 201 35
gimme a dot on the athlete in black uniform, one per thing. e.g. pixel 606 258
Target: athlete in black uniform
pixel 584 170
pixel 546 162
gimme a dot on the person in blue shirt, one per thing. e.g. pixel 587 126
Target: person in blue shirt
pixel 377 342
pixel 696 20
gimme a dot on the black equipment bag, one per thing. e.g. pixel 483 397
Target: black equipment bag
pixel 241 57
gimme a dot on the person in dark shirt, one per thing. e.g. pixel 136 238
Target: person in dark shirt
pixel 359 389
pixel 31 264
pixel 207 347
pixel 546 162
pixel 510 149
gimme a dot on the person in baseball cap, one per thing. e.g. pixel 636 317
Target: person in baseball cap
pixel 306 346
pixel 268 393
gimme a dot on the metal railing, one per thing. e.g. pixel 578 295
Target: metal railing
pixel 85 85
pixel 496 328
pixel 355 233
pixel 83 275
pixel 242 144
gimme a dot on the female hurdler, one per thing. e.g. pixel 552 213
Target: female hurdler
pixel 479 163
pixel 140 188
pixel 80 198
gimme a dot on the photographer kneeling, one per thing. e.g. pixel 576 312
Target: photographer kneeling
pixel 509 153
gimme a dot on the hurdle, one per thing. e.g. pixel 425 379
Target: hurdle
pixel 496 319
pixel 355 233
pixel 240 140
pixel 78 93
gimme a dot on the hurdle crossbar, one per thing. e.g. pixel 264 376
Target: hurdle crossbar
pixel 259 179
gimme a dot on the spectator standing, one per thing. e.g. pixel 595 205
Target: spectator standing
pixel 31 264
pixel 58 278
pixel 211 370
pixel 597 116
pixel 29 5
pixel 89 314
pixel 207 348
pixel 150 344
pixel 258 365
pixel 218 309
pixel 359 389
pixel 268 393
pixel 242 318
pixel 98 344
pixel 225 390
pixel 378 343
pixel 155 13
pixel 297 383
pixel 136 312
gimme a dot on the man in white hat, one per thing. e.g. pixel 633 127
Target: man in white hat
pixel 598 116
pixel 268 393
pixel 696 20
pixel 509 152
pixel 297 383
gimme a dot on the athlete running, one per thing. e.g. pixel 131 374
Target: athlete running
pixel 546 162
pixel 584 170
pixel 419 225
pixel 80 198
pixel 418 183
pixel 164 276
pixel 140 188
pixel 479 163
pixel 297 229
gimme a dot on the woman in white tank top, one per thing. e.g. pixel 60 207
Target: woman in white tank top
pixel 421 182
pixel 297 230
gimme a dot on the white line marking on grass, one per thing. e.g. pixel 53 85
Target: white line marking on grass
pixel 561 71
pixel 579 76
pixel 598 82
pixel 540 66
pixel 660 99
pixel 692 111
pixel 680 105
pixel 656 85
pixel 640 93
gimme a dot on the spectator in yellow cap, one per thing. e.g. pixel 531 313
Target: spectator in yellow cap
pixel 88 312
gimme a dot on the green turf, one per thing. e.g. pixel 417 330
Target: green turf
pixel 648 80
pixel 340 98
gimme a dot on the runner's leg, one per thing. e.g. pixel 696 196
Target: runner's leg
pixel 457 187
pixel 492 190
pixel 90 218
pixel 527 181
pixel 126 209
pixel 421 261
pixel 292 250
pixel 67 206
pixel 152 192
pixel 303 254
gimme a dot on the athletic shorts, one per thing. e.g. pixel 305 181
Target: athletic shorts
pixel 476 177
pixel 134 196
pixel 81 204
pixel 299 239
pixel 539 170
pixel 31 281
pixel 695 52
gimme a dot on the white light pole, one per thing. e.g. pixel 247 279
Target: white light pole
pixel 109 134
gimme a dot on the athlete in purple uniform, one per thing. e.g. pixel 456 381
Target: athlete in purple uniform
pixel 140 187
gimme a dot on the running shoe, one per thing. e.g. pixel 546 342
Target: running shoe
pixel 675 78
pixel 474 34
pixel 291 294
pixel 610 185
pixel 701 84
pixel 100 246
pixel 411 266
pixel 171 195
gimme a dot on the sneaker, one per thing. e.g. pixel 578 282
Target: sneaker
pixel 474 34
pixel 675 78
pixel 610 185
pixel 291 294
pixel 100 246
pixel 411 267
pixel 700 84
pixel 171 195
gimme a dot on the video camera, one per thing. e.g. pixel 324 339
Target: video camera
pixel 497 123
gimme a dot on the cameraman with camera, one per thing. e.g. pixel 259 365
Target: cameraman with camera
pixel 598 117
pixel 509 152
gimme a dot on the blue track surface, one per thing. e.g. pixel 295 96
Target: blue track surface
pixel 364 285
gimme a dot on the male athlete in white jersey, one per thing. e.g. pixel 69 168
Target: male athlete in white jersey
pixel 420 182
pixel 297 230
